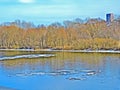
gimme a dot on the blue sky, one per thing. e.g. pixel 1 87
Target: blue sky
pixel 48 11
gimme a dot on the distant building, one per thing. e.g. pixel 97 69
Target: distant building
pixel 109 18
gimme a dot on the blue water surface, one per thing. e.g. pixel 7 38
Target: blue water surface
pixel 64 71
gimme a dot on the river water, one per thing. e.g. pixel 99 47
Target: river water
pixel 20 70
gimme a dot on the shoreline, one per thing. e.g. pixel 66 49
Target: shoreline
pixel 79 51
pixel 6 88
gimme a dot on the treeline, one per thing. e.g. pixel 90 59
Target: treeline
pixel 92 34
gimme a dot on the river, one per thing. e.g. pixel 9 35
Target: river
pixel 47 70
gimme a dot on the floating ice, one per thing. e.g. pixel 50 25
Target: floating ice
pixel 30 74
pixel 68 74
pixel 75 78
pixel 26 56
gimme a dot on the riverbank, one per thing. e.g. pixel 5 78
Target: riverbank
pixel 51 50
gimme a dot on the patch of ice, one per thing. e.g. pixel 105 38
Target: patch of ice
pixel 30 74
pixel 26 56
pixel 75 78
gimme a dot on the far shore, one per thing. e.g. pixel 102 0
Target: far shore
pixel 52 50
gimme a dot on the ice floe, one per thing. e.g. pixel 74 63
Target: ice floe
pixel 75 78
pixel 26 56
pixel 73 75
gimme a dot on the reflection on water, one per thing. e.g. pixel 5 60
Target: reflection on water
pixel 87 68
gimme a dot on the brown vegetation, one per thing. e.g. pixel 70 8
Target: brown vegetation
pixel 94 34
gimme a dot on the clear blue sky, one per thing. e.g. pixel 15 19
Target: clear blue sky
pixel 48 11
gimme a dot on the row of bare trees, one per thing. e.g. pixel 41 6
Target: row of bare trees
pixel 78 34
